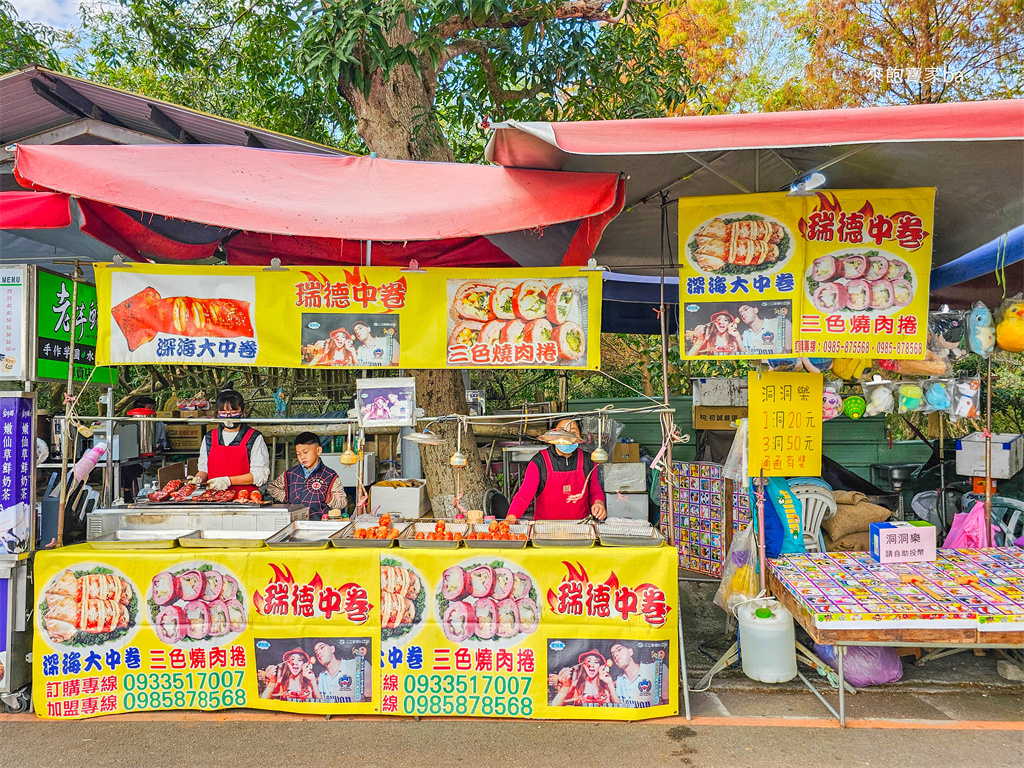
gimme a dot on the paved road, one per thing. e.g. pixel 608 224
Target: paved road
pixel 264 740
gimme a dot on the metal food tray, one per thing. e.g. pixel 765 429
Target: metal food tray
pixel 344 537
pixel 614 535
pixel 226 539
pixel 202 505
pixel 408 537
pixel 141 539
pixel 545 534
pixel 492 544
pixel 305 534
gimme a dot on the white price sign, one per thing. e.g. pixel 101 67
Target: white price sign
pixel 13 329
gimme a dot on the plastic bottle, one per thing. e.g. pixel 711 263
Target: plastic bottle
pixel 767 641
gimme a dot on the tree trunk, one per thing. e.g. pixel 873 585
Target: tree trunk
pixel 396 119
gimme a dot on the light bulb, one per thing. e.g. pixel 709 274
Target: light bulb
pixel 599 456
pixel 348 456
pixel 458 459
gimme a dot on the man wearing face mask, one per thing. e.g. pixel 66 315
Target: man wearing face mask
pixel 233 456
pixel 562 482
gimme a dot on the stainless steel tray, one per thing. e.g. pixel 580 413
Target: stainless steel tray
pixel 305 534
pixel 492 544
pixel 617 535
pixel 141 539
pixel 226 539
pixel 344 537
pixel 408 537
pixel 562 534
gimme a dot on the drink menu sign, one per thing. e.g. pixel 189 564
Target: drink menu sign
pixel 14 284
pixel 835 274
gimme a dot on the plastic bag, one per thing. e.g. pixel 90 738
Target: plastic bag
pixel 831 402
pixel 878 396
pixel 911 397
pixel 938 396
pixel 981 330
pixel 864 665
pixel 947 334
pixel 966 399
pixel 739 573
pixel 968 529
pixel 735 468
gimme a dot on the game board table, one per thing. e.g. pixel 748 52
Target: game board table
pixel 964 599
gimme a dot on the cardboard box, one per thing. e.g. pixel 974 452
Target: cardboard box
pixel 626 453
pixel 631 505
pixel 191 414
pixel 400 502
pixel 184 437
pixel 168 414
pixel 719 392
pixel 177 471
pixel 717 416
pixel 624 478
pixel 1007 455
pixel 911 541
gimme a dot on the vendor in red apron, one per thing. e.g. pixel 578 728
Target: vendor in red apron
pixel 233 455
pixel 561 482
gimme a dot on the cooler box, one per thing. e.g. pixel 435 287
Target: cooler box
pixel 1007 455
pixel 348 473
pixel 625 478
pixel 631 505
pixel 911 541
pixel 401 502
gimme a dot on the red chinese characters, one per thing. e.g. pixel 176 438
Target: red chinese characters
pixel 314 293
pixel 577 595
pixel 284 597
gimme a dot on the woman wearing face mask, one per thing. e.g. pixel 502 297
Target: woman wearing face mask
pixel 562 483
pixel 233 456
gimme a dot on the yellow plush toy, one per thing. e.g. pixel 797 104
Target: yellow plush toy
pixel 1010 331
pixel 851 368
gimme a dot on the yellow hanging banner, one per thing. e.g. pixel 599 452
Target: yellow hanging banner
pixel 835 274
pixel 785 423
pixel 358 317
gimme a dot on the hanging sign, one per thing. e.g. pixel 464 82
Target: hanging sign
pixel 373 317
pixel 55 318
pixel 835 274
pixel 484 633
pixel 14 293
pixel 17 471
pixel 785 423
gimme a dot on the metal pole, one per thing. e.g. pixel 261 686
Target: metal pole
pixel 986 539
pixel 942 472
pixel 110 492
pixel 68 403
pixel 667 421
pixel 840 653
pixel 761 558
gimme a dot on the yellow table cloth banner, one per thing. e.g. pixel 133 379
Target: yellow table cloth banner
pixel 840 273
pixel 358 317
pixel 559 633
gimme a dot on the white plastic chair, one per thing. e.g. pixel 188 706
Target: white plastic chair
pixel 819 504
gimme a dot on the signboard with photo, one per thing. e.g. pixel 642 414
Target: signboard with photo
pixel 387 402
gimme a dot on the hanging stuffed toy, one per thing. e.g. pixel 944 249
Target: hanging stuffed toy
pixel 1010 331
pixel 947 333
pixel 851 368
pixel 854 406
pixel 937 395
pixel 911 396
pixel 968 398
pixel 981 330
pixel 831 403
pixel 878 394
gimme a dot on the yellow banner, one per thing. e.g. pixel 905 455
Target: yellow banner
pixel 359 317
pixel 785 423
pixel 835 274
pixel 531 633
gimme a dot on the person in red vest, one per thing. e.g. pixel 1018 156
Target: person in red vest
pixel 309 482
pixel 233 455
pixel 562 482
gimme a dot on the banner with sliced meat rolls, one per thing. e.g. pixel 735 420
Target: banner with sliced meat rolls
pixel 358 317
pixel 835 273
pixel 550 633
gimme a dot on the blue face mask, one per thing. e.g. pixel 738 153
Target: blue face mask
pixel 566 449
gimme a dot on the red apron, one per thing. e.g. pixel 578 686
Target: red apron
pixel 552 502
pixel 230 460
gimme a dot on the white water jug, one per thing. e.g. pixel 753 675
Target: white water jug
pixel 767 641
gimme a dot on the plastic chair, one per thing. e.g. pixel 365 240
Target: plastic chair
pixel 819 504
pixel 1007 515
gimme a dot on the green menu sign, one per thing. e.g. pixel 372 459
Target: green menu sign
pixel 55 319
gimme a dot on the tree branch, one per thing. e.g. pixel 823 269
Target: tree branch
pixel 482 50
pixel 582 10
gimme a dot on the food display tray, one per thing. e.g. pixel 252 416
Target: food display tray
pixel 345 537
pixel 305 534
pixel 141 539
pixel 559 534
pixel 492 544
pixel 226 539
pixel 617 535
pixel 408 537
pixel 202 505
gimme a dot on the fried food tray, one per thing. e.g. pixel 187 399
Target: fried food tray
pixel 492 544
pixel 226 540
pixel 141 539
pixel 619 535
pixel 559 534
pixel 408 537
pixel 346 536
pixel 305 534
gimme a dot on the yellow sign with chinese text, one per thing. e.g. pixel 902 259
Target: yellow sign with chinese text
pixel 785 424
pixel 838 273
pixel 358 317
pixel 487 632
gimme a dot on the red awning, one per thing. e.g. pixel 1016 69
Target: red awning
pixel 972 153
pixel 32 210
pixel 187 202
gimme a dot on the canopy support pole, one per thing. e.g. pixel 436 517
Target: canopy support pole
pixel 69 401
pixel 987 537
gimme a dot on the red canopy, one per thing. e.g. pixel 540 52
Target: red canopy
pixel 186 202
pixel 971 152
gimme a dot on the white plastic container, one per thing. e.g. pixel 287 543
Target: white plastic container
pixel 767 641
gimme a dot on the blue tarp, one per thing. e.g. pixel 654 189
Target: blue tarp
pixel 1005 250
pixel 630 303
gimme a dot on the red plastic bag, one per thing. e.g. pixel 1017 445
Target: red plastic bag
pixel 968 530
